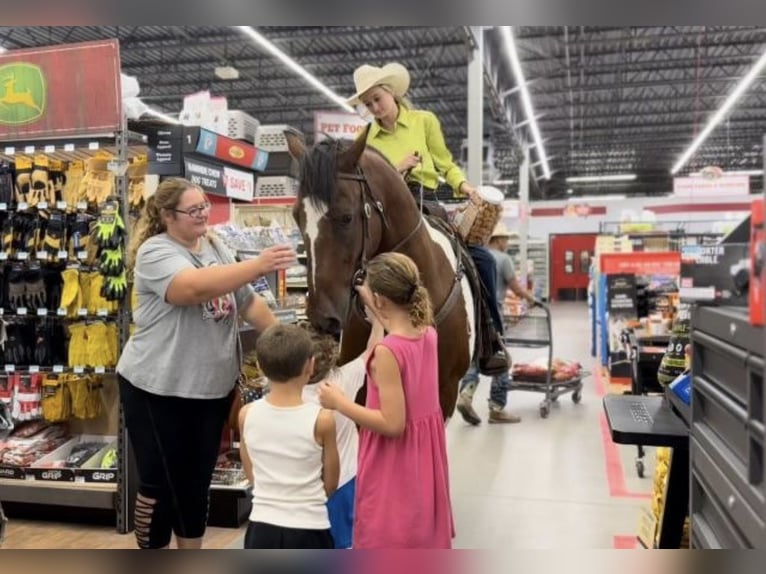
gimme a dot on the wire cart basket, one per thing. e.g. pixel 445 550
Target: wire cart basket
pixel 533 330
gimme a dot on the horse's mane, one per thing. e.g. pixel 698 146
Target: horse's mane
pixel 319 169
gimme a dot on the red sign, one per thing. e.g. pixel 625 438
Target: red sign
pixel 231 151
pixel 641 263
pixel 58 91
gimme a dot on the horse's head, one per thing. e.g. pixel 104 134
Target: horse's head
pixel 340 221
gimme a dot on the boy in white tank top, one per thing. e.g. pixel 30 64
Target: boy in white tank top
pixel 288 449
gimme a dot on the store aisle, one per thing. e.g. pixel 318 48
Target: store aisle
pixel 544 483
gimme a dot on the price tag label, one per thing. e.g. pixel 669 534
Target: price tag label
pixel 42 255
pixel 82 205
pixel 93 145
pixel 82 312
pixel 43 312
pixel 63 255
pixel 61 312
pixel 50 148
pixel 61 205
pixel 10 150
pixel 100 370
pixel 82 255
pixel 79 370
pixel 23 205
pixel 22 256
pixel 58 368
pixel 34 369
pixel 21 311
pixel 102 312
pixel 29 149
pixel 42 205
pixel 3 207
pixel 69 147
pixel 79 478
pixel 3 256
pixel 10 368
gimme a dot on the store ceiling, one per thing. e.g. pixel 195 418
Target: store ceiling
pixel 609 100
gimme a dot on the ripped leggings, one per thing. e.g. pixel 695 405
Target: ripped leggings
pixel 176 443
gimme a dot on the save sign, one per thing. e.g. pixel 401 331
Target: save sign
pixel 337 125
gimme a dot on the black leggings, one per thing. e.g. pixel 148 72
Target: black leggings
pixel 262 536
pixel 176 443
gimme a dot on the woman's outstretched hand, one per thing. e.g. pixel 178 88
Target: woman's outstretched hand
pixel 275 258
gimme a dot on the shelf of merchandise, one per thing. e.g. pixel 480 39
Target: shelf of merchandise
pixel 537 252
pixel 118 496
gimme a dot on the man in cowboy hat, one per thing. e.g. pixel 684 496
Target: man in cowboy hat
pixel 413 142
pixel 506 279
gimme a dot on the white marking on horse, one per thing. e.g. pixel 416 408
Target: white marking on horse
pixel 313 217
pixel 444 242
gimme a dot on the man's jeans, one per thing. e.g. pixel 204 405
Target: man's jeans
pixel 487 269
pixel 498 391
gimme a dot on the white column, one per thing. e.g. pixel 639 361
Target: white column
pixel 476 107
pixel 523 214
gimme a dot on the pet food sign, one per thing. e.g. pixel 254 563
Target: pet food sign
pixel 59 91
pixel 337 125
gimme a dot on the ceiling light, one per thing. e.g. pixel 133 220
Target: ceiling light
pixel 2 50
pixel 716 118
pixel 526 100
pixel 570 191
pixel 267 45
pixel 597 178
pixel 504 182
pixel 733 172
pixel 161 115
pixel 227 72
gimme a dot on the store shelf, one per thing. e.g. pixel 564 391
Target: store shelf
pixel 59 493
pixel 537 252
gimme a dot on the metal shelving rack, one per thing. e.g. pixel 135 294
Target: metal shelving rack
pixel 117 496
pixel 537 251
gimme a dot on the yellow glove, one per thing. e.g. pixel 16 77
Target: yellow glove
pixel 78 345
pixel 23 178
pixel 71 191
pixel 113 344
pixel 39 178
pixel 56 400
pixel 85 279
pixel 71 297
pixel 97 345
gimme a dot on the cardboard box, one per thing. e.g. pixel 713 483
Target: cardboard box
pixel 714 273
pixel 757 292
pixel 49 468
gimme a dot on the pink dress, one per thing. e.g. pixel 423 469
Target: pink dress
pixel 402 490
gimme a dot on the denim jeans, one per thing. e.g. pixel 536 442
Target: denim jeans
pixel 487 268
pixel 498 390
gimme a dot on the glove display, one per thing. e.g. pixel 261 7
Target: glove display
pixel 56 178
pixel 71 298
pixel 110 229
pixel 35 296
pixel 56 399
pixel 71 191
pixel 54 234
pixel 78 345
pixel 23 178
pixel 98 352
pixel 8 234
pixel 16 287
pixel 42 354
pixel 111 262
pixel 40 182
pixel 99 182
pixel 86 397
pixel 115 287
pixel 6 184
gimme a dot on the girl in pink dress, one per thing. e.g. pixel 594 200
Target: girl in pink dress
pixel 402 491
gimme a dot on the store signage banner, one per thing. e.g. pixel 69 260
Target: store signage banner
pixel 577 210
pixel 640 263
pixel 60 91
pixel 165 150
pixel 337 125
pixel 699 187
pixel 220 180
pixel 225 149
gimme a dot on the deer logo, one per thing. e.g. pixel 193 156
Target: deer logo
pixel 22 93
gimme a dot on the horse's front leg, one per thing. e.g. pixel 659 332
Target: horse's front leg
pixel 353 342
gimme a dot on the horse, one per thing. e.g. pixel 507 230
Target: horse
pixel 352 204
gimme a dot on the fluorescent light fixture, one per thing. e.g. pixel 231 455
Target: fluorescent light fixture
pixel 598 178
pixel 719 115
pixel 161 115
pixel 570 191
pixel 272 49
pixel 596 198
pixel 526 100
pixel 226 72
pixel 733 172
pixel 504 182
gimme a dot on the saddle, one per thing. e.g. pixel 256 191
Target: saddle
pixel 489 351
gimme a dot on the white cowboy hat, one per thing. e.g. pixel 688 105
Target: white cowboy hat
pixel 501 230
pixel 393 75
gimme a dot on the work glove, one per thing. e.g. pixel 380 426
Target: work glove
pixel 78 345
pixel 71 299
pixel 54 234
pixel 16 287
pixel 115 287
pixel 23 178
pixel 40 181
pixel 112 262
pixel 6 185
pixel 79 236
pixel 71 191
pixel 97 345
pixel 110 229
pixel 56 399
pixel 113 343
pixel 53 284
pixel 100 184
pixel 34 290
pixel 56 179
pixel 8 234
pixel 13 349
pixel 42 354
pixel 136 173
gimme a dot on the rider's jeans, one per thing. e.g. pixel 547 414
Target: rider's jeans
pixel 487 268
pixel 498 391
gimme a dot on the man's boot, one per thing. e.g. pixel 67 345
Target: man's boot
pixel 465 404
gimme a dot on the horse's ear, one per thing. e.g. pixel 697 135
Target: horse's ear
pixel 350 157
pixel 295 144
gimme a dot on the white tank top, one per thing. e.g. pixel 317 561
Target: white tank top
pixel 287 466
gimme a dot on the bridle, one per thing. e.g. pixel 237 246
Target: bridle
pixel 369 202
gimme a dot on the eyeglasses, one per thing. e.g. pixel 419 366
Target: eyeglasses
pixel 196 212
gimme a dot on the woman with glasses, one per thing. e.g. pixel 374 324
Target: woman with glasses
pixel 179 367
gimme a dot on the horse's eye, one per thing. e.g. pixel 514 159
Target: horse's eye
pixel 345 219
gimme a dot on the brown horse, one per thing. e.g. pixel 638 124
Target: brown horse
pixel 352 205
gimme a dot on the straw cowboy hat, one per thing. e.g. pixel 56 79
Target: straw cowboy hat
pixel 393 75
pixel 502 231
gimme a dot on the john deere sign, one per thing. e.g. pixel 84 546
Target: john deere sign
pixel 22 93
pixel 60 91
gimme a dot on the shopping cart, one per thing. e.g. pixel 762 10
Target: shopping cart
pixel 533 330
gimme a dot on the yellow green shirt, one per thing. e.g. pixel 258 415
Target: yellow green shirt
pixel 418 130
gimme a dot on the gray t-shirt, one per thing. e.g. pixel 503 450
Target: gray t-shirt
pixel 183 351
pixel 505 273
